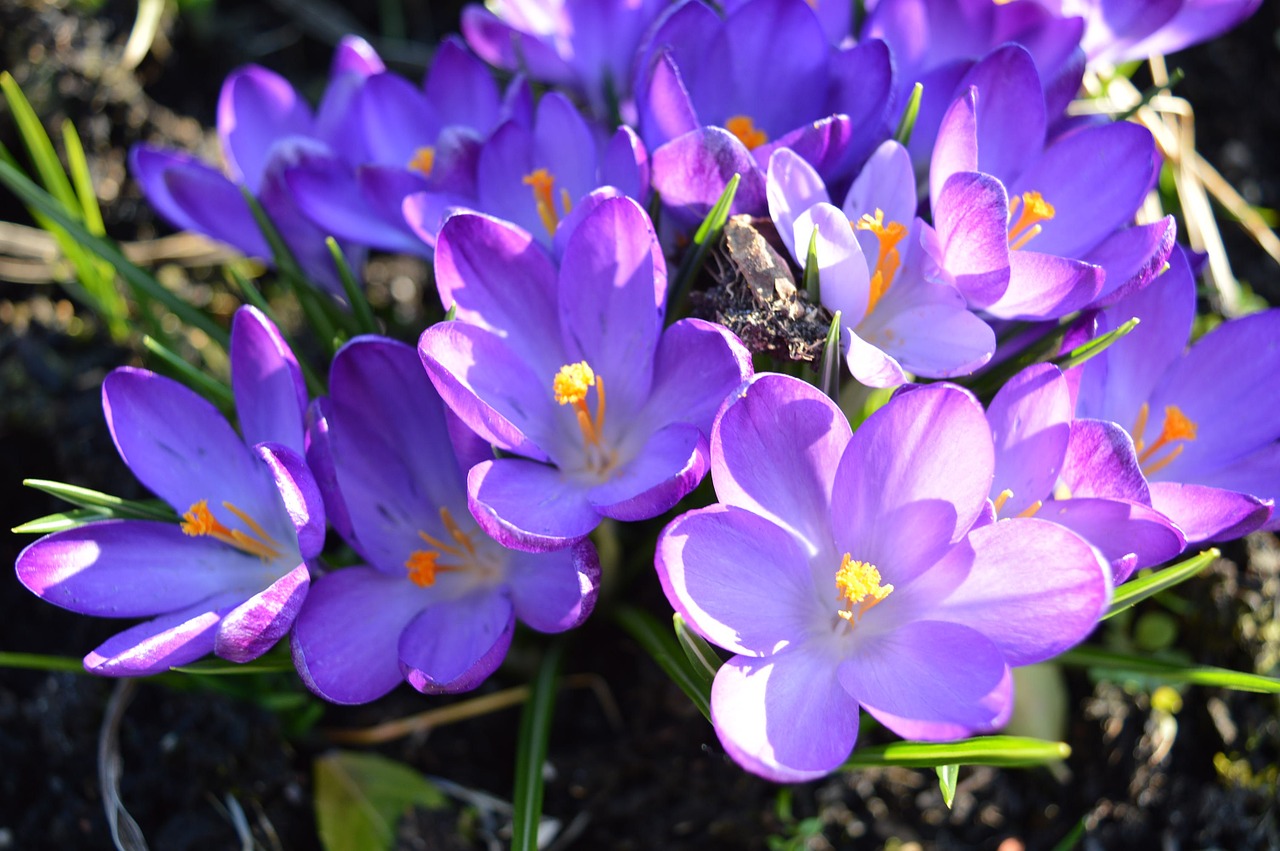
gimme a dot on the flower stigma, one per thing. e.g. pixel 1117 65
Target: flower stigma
pixel 1030 208
pixel 200 522
pixel 424 160
pixel 1176 428
pixel 859 588
pixel 889 260
pixel 423 565
pixel 747 132
pixel 571 386
pixel 542 183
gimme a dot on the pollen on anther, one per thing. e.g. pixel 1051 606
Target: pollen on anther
pixel 747 132
pixel 424 160
pixel 572 382
pixel 859 586
pixel 421 565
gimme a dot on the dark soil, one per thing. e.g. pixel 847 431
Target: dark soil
pixel 632 765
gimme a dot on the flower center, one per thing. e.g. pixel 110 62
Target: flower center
pixel 571 385
pixel 1030 209
pixel 200 522
pixel 424 159
pixel 423 565
pixel 858 588
pixel 889 260
pixel 747 132
pixel 1176 428
pixel 542 183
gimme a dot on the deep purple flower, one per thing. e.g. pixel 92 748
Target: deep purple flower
pixel 895 319
pixel 231 577
pixel 438 600
pixel 1098 497
pixel 1201 434
pixel 265 129
pixel 847 571
pixel 716 96
pixel 1019 220
pixel 407 140
pixel 586 47
pixel 535 354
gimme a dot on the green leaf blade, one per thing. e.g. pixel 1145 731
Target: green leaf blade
pixel 359 798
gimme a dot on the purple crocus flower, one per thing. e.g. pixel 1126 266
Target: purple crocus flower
pixel 408 140
pixel 438 600
pixel 1209 449
pixel 895 319
pixel 265 129
pixel 586 47
pixel 535 174
pixel 1126 30
pixel 716 97
pixel 846 570
pixel 232 576
pixel 1098 497
pixel 535 354
pixel 1019 222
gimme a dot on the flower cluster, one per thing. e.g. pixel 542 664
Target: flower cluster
pixel 904 567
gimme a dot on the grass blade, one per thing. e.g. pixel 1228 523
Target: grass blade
pixel 86 498
pixel 531 751
pixel 706 236
pixel 61 521
pixel 360 309
pixel 1005 751
pixel 1114 664
pixel 703 660
pixel 41 662
pixel 1096 346
pixel 198 380
pixel 1135 591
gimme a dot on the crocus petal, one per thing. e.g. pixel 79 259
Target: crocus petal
pixel 332 197
pixel 1132 258
pixel 320 460
pixel 826 143
pixel 665 109
pixel 613 286
pixel 251 628
pixel 132 568
pixel 971 211
pixel 670 464
pixel 1032 587
pixel 741 581
pixel 1101 462
pixel 791 187
pixel 1209 514
pixel 845 281
pixel 914 478
pixel 396 119
pixel 346 639
pixel 173 639
pixel 301 495
pixel 1043 286
pixel 799 435
pixel 927 330
pixel 1129 535
pixel 887 182
pixel 691 172
pixel 148 165
pixel 785 717
pixel 625 164
pixel 529 506
pixel 556 591
pixel 271 397
pixel 1010 110
pixel 257 107
pixel 492 388
pixel 695 396
pixel 461 87
pixel 956 148
pixel 1196 21
pixel 930 679
pixel 870 364
pixel 510 49
pixel 477 260
pixel 1031 424
pixel 455 645
pixel 214 206
pixel 180 447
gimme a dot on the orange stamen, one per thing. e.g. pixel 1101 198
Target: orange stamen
pixel 1034 209
pixel 1177 427
pixel 199 521
pixel 423 565
pixel 889 260
pixel 745 129
pixel 542 182
pixel 424 160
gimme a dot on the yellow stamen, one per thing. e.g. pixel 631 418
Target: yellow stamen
pixel 423 565
pixel 1001 499
pixel 570 386
pixel 200 522
pixel 542 182
pixel 1030 510
pixel 1176 427
pixel 1034 209
pixel 745 129
pixel 858 584
pixel 424 159
pixel 889 260
pixel 572 382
